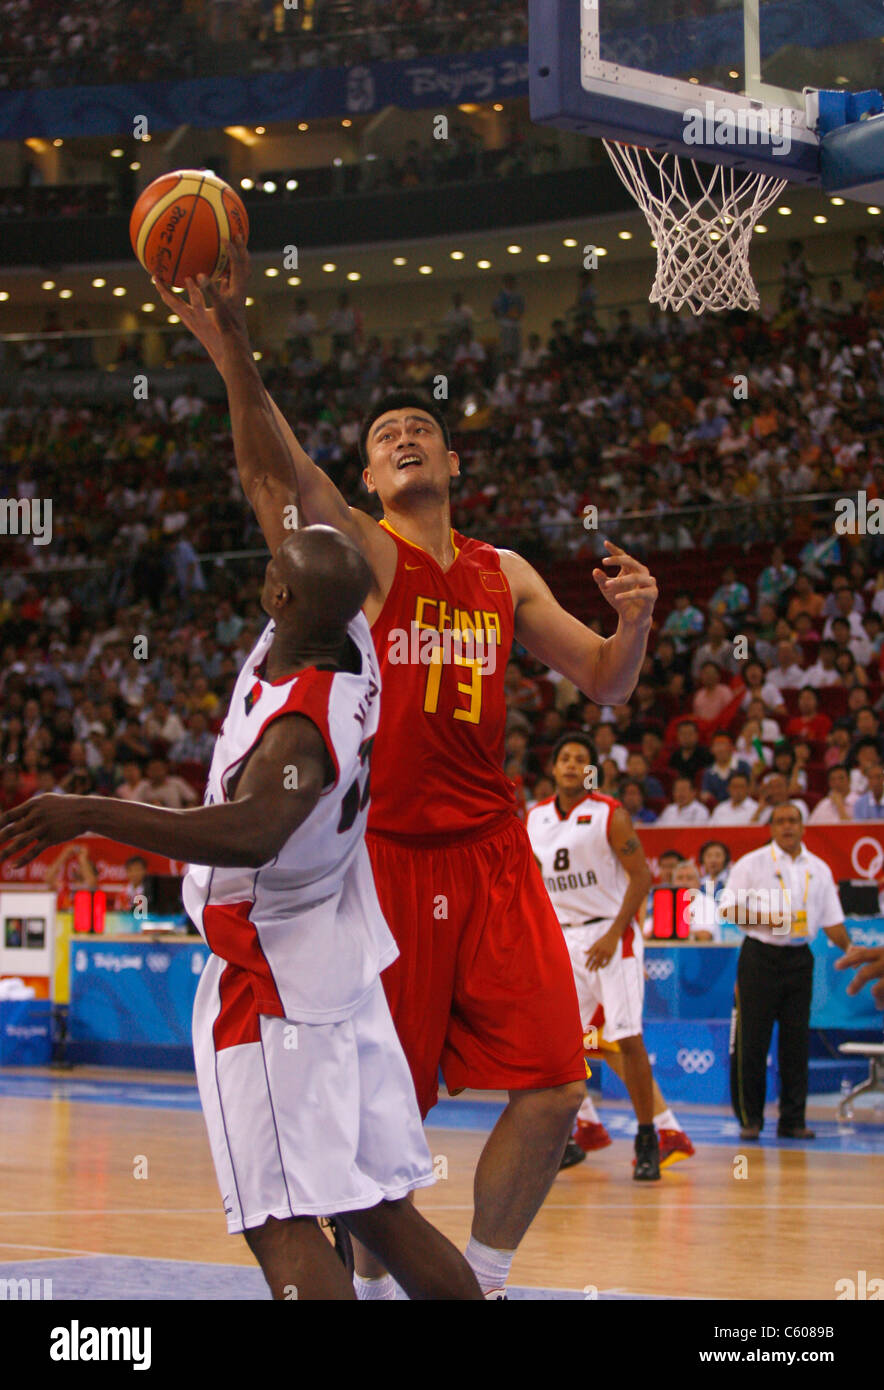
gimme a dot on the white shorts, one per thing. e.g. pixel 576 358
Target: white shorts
pixel 308 1119
pixel 613 996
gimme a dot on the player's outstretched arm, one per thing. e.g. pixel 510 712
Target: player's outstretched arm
pixel 605 669
pixel 278 477
pixel 271 801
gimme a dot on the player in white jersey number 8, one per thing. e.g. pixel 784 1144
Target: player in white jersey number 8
pixel 597 877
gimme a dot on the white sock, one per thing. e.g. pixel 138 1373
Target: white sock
pixel 666 1120
pixel 491 1267
pixel 369 1289
pixel 588 1113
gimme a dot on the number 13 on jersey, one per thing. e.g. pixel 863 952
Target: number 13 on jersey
pixel 473 689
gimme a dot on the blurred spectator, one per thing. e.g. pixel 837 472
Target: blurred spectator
pixel 609 784
pixel 739 807
pixel 774 791
pixel 606 746
pixel 684 809
pixel 684 622
pixel 160 789
pixel 637 770
pixel 301 328
pixel 715 858
pixel 809 722
pixel 701 913
pixel 71 870
pixel 633 798
pixel 712 697
pixel 459 317
pixel 759 687
pixel 862 758
pixel 667 862
pixel 344 325
pixel 777 578
pixel 508 309
pixel 787 674
pixel 823 672
pixel 197 744
pixel 129 787
pixel 839 803
pixel 731 599
pixel 718 648
pixel 689 757
pixel 870 804
pixel 715 784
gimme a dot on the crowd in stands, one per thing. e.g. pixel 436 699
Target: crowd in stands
pixel 763 680
pixel 47 43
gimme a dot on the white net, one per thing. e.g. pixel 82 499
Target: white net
pixel 702 222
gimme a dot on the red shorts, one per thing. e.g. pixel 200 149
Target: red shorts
pixel 483 986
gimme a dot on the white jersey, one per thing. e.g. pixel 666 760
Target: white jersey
pixel 587 884
pixel 304 932
pixel 583 876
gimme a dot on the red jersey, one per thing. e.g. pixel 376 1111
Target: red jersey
pixel 443 639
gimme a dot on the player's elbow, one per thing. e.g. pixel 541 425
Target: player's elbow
pixel 263 845
pixel 267 839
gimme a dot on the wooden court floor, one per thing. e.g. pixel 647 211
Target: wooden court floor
pixel 798 1222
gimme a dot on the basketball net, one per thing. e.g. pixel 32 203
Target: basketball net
pixel 702 224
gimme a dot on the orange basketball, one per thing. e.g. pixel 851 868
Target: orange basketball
pixel 180 223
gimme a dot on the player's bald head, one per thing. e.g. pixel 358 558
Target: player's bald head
pixel 327 579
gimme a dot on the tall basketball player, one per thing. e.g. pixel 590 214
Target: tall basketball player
pixel 305 1088
pixel 483 985
pixel 597 877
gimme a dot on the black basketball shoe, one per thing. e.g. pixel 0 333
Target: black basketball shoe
pixel 647 1157
pixel 573 1155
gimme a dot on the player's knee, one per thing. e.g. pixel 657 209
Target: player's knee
pixel 569 1098
pixel 576 1091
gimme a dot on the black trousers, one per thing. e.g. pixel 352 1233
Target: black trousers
pixel 774 985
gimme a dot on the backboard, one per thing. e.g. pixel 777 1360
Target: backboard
pixel 718 80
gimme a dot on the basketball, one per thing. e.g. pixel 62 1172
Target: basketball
pixel 180 223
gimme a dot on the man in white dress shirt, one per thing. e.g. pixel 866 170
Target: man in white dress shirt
pixel 684 808
pixel 787 674
pixel 838 805
pixel 781 896
pixel 740 807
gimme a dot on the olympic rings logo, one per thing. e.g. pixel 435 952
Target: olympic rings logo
pixel 693 1061
pixel 873 864
pixel 660 969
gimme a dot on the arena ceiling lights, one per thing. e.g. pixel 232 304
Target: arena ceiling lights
pixel 551 247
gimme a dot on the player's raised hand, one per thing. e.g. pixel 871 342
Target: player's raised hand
pixel 632 592
pixel 215 311
pixel 43 821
